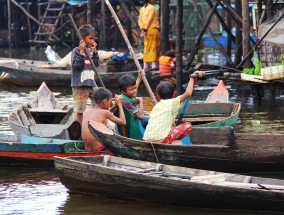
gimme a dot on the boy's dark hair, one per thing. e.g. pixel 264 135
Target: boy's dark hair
pixel 126 81
pixel 165 90
pixel 86 30
pixel 102 94
pixel 170 53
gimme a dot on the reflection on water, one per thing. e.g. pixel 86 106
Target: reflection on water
pixel 30 192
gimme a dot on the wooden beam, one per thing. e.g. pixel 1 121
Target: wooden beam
pixel 246 32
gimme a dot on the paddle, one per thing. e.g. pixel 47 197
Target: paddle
pixel 86 51
pixel 132 52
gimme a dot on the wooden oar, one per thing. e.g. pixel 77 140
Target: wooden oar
pixel 132 52
pixel 86 52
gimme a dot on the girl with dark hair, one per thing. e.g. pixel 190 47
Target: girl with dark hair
pixel 149 26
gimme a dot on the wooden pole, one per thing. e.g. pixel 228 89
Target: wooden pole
pixel 86 51
pixel 103 26
pixel 246 32
pixel 131 51
pixel 211 33
pixel 239 36
pixel 197 41
pixel 165 11
pixel 229 41
pixel 179 46
pixel 9 24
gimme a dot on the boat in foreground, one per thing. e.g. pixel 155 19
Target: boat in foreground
pixel 216 148
pixel 45 117
pixel 38 152
pixel 117 177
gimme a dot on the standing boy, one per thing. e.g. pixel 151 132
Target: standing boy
pixel 101 112
pixel 161 127
pixel 83 77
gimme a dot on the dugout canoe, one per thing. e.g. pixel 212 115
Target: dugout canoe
pixel 218 149
pixel 38 152
pixel 45 117
pixel 127 179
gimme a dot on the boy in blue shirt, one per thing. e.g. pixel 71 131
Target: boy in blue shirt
pixel 83 76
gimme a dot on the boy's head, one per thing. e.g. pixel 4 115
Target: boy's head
pixel 127 86
pixel 103 97
pixel 170 54
pixel 87 29
pixel 165 90
pixel 88 34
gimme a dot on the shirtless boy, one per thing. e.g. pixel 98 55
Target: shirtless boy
pixel 101 112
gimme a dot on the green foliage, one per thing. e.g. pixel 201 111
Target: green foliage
pixel 248 71
pixel 282 59
pixel 257 65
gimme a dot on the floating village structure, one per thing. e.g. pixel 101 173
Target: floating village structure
pixel 246 27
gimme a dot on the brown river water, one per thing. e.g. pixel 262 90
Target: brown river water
pixel 39 191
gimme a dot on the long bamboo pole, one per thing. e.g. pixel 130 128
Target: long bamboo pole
pixel 86 52
pixel 131 51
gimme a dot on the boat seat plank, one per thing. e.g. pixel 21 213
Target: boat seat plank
pixel 46 130
pixel 209 178
pixel 44 110
pixel 204 119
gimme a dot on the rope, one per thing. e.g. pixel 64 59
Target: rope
pixel 154 152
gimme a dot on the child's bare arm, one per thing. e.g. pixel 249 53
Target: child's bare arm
pixel 121 120
pixel 190 86
pixel 139 78
pixel 140 112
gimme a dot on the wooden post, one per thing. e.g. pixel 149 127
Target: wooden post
pixel 239 36
pixel 246 32
pixel 89 12
pixel 29 21
pixel 212 34
pixel 179 46
pixel 229 41
pixel 103 26
pixel 9 24
pixel 165 11
pixel 132 52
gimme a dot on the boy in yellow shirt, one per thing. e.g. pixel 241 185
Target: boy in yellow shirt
pixel 161 127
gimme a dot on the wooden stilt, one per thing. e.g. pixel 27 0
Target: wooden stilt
pixel 239 36
pixel 165 11
pixel 9 24
pixel 229 41
pixel 246 32
pixel 179 72
pixel 103 26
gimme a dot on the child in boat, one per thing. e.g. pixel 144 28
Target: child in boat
pixel 167 63
pixel 101 112
pixel 161 127
pixel 132 105
pixel 83 76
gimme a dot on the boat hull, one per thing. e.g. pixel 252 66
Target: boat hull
pixel 84 176
pixel 218 149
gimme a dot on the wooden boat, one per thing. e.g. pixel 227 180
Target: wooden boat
pixel 38 152
pixel 216 111
pixel 212 114
pixel 20 72
pixel 117 177
pixel 218 149
pixel 45 117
